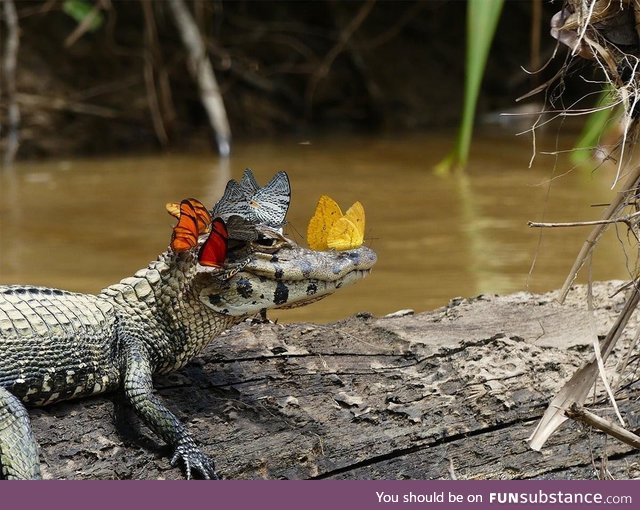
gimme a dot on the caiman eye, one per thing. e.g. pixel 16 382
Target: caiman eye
pixel 268 244
pixel 266 241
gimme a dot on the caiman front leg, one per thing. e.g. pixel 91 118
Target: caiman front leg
pixel 138 387
pixel 18 448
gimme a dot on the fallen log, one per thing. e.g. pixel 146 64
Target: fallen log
pixel 449 393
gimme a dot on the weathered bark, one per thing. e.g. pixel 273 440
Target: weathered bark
pixel 455 390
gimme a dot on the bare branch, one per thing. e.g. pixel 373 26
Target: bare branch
pixel 579 413
pixel 200 67
pixel 9 70
pixel 151 42
pixel 626 219
pixel 325 66
pixel 576 389
pixel 617 202
pixel 58 103
pixel 85 25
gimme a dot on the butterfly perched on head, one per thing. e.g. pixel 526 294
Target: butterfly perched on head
pixel 267 205
pixel 214 250
pixel 330 229
pixel 193 221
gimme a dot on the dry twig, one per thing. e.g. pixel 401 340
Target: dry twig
pixel 151 42
pixel 325 66
pixel 576 389
pixel 579 413
pixel 626 220
pixel 9 71
pixel 85 25
pixel 617 203
pixel 200 67
pixel 59 103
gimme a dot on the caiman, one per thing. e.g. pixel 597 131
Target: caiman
pixel 57 345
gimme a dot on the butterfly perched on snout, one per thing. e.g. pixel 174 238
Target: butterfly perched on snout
pixel 267 205
pixel 330 229
pixel 193 221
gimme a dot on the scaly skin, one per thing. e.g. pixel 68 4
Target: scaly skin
pixel 57 345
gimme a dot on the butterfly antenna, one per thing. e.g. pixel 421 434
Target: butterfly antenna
pixel 298 235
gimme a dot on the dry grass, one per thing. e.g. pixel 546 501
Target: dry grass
pixel 604 31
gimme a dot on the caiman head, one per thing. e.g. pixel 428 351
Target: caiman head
pixel 235 261
pixel 271 271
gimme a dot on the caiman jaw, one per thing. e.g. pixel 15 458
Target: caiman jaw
pixel 291 277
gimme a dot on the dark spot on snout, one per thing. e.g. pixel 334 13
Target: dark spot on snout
pixel 312 289
pixel 281 294
pixel 274 258
pixel 244 287
pixel 278 273
pixel 354 255
pixel 305 267
pixel 215 299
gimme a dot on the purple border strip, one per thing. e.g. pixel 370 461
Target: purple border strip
pixel 321 495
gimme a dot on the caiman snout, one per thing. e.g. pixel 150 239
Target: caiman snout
pixel 292 277
pixel 296 263
pixel 362 258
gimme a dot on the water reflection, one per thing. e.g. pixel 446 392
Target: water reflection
pixel 84 224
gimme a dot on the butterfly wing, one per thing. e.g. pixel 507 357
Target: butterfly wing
pixel 202 215
pixel 347 232
pixel 193 220
pixel 214 250
pixel 185 233
pixel 344 235
pixel 233 201
pixel 326 215
pixel 248 183
pixel 183 238
pixel 356 214
pixel 271 203
pixel 241 229
pixel 173 208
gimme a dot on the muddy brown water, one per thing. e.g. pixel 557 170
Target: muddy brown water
pixel 84 224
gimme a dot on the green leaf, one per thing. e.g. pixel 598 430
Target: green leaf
pixel 80 9
pixel 482 20
pixel 594 128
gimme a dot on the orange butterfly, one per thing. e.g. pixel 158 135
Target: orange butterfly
pixel 214 250
pixel 193 220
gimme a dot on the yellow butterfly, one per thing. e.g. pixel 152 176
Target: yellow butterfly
pixel 329 228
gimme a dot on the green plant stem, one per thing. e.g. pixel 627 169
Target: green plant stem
pixel 482 20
